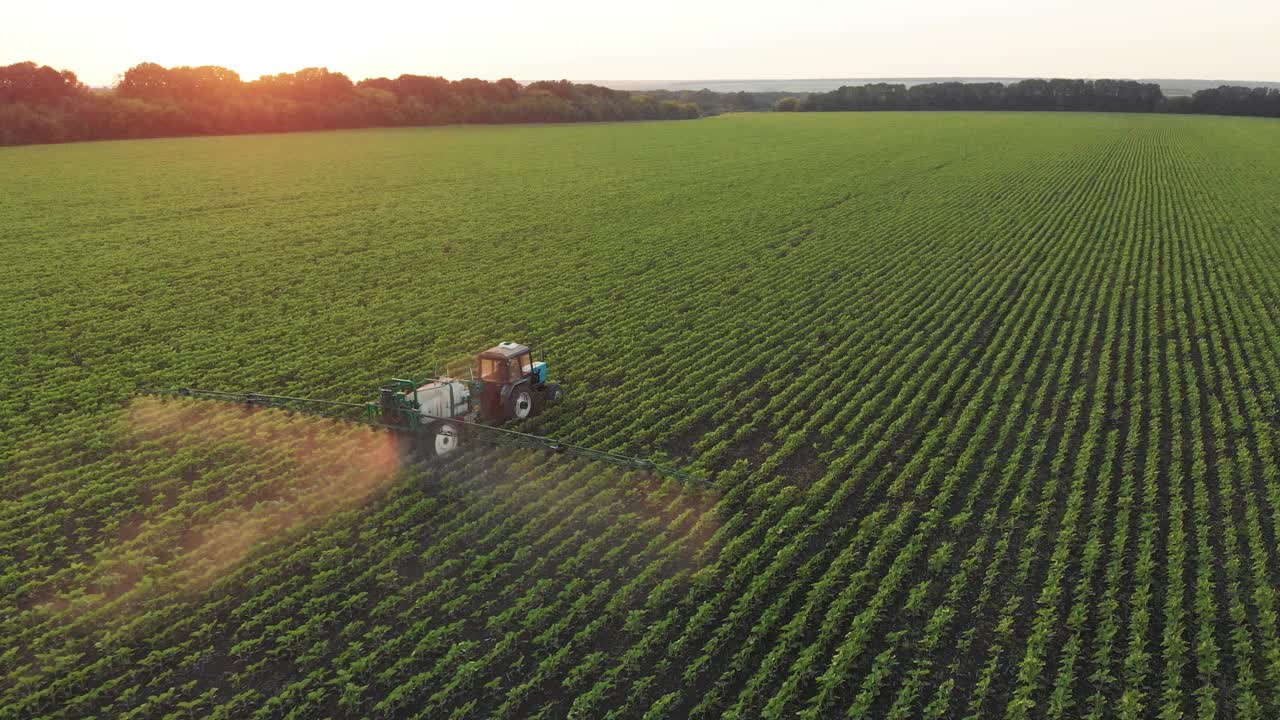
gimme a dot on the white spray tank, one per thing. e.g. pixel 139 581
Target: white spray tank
pixel 444 398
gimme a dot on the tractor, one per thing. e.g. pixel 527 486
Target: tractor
pixel 506 384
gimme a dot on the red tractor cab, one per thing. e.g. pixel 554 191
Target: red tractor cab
pixel 513 385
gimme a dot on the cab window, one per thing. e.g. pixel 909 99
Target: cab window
pixel 493 370
pixel 518 364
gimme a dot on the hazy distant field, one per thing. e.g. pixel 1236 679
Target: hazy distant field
pixel 990 400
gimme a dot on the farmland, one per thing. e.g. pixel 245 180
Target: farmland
pixel 988 401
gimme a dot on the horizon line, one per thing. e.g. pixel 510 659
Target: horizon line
pixel 928 77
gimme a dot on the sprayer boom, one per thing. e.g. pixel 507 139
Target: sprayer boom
pixel 437 435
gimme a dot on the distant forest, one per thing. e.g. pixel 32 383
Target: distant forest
pixel 39 104
pixel 1057 94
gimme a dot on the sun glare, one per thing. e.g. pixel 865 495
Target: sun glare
pixel 254 39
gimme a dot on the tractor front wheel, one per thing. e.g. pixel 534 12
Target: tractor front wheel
pixel 548 394
pixel 553 393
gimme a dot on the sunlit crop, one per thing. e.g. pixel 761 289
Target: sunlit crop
pixel 988 400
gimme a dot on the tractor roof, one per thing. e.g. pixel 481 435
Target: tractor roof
pixel 505 350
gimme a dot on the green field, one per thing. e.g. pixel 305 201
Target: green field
pixel 989 402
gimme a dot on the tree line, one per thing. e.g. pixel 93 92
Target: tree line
pixel 1056 94
pixel 1229 100
pixel 39 104
pixel 1099 95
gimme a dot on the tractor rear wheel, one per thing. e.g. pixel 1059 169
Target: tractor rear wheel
pixel 521 403
pixel 443 438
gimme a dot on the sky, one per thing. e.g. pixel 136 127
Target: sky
pixel 657 39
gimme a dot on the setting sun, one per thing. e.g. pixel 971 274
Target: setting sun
pixel 256 39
